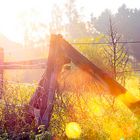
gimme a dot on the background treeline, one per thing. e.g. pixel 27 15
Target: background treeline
pixel 75 27
pixel 73 24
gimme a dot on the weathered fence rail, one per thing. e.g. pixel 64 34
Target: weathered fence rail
pixel 40 66
pixel 17 65
pixel 27 62
pixel 24 64
pixel 1 71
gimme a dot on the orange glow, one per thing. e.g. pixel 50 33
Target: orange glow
pixel 128 129
pixel 95 108
pixel 128 98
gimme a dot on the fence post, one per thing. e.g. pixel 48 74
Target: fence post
pixel 1 71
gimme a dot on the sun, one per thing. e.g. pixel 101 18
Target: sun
pixel 73 130
pixel 15 14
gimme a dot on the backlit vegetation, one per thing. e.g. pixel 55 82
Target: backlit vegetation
pixel 83 108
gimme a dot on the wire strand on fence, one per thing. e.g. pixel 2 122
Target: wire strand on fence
pixel 105 43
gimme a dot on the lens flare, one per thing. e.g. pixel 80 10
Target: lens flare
pixel 73 130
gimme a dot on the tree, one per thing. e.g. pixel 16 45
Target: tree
pixel 131 18
pixel 35 30
pixel 92 31
pixel 124 16
pixel 56 25
pixel 116 54
pixel 75 27
pixel 101 22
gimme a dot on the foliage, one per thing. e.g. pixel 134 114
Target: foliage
pixel 15 119
pixel 100 116
pixel 80 98
pixel 44 135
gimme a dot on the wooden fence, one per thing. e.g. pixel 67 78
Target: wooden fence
pixel 58 46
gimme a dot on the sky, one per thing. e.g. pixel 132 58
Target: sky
pixel 97 6
pixel 14 13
